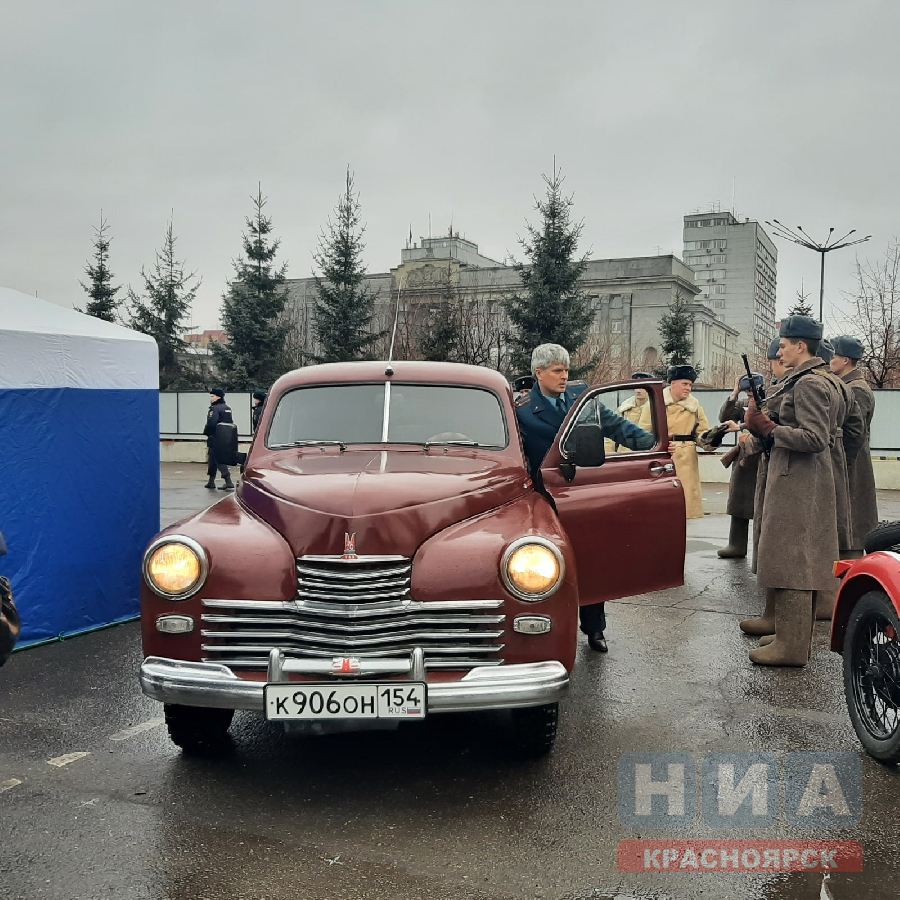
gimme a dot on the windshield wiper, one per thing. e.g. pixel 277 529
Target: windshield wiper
pixel 340 444
pixel 451 444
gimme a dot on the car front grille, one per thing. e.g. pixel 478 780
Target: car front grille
pixel 353 579
pixel 453 634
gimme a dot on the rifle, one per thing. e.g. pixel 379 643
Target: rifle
pixel 759 397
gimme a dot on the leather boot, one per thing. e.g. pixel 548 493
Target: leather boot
pixel 793 627
pixel 229 484
pixel 210 484
pixel 764 624
pixel 737 539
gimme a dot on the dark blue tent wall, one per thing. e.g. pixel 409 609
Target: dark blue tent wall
pixel 79 501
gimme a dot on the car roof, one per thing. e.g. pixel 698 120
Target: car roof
pixel 403 371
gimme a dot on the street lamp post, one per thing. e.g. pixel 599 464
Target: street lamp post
pixel 799 236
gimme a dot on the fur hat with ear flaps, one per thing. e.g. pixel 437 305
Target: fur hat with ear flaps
pixel 677 373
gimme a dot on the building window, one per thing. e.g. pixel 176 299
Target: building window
pixel 650 357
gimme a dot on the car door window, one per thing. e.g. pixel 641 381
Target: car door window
pixel 627 421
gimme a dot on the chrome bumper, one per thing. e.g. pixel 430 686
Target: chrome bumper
pixel 484 687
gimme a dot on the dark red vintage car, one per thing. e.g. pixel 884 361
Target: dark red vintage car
pixel 387 557
pixel 866 631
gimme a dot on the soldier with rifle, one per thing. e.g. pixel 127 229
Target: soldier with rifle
pixel 795 508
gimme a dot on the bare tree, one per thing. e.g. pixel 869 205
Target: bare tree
pixel 876 308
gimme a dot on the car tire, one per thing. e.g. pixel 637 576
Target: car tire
pixel 199 731
pixel 885 536
pixel 534 730
pixel 872 675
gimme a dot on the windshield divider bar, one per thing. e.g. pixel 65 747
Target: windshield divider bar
pixel 385 420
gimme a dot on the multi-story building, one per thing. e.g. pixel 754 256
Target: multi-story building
pixel 629 297
pixel 734 263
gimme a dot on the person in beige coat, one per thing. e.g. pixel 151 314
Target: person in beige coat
pixel 863 506
pixel 686 421
pixel 631 409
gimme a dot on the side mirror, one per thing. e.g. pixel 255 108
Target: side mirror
pixel 588 450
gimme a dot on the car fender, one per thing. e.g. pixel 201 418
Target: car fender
pixel 874 572
pixel 463 562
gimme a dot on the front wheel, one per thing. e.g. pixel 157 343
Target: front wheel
pixel 199 731
pixel 534 730
pixel 872 675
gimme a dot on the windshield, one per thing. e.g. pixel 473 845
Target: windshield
pixel 418 414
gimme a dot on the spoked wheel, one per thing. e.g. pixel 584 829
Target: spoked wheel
pixel 872 675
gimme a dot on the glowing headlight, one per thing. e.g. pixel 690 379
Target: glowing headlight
pixel 175 567
pixel 532 568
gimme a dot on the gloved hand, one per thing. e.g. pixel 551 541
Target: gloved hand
pixel 758 422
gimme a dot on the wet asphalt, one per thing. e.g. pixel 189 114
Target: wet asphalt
pixel 95 802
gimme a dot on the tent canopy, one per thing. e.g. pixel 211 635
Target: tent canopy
pixel 79 475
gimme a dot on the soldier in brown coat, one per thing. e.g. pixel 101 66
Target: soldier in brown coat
pixel 863 506
pixel 844 448
pixel 744 466
pixel 797 516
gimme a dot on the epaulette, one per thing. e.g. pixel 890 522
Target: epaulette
pixel 524 399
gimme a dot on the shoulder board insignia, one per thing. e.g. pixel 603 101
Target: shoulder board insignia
pixel 525 399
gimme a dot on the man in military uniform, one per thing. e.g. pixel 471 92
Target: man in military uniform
pixel 219 411
pixel 631 409
pixel 796 510
pixel 686 422
pixel 259 404
pixel 541 412
pixel 863 506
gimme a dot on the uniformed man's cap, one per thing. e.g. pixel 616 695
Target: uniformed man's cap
pixel 774 347
pixel 849 346
pixel 259 395
pixel 825 351
pixel 635 376
pixel 523 383
pixel 804 328
pixel 677 373
pixel 218 392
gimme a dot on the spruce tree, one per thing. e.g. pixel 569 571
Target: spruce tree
pixel 252 308
pixel 103 303
pixel 345 307
pixel 551 309
pixel 802 306
pixel 675 329
pixel 163 309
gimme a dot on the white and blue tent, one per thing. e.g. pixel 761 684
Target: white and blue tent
pixel 79 465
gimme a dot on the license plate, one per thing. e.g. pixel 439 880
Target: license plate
pixel 397 700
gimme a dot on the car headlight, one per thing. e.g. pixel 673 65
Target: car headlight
pixel 532 568
pixel 175 567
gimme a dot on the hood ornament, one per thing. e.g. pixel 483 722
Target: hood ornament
pixel 349 546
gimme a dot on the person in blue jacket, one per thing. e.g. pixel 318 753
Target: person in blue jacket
pixel 219 411
pixel 541 412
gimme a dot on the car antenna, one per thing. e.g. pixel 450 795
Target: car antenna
pixel 390 369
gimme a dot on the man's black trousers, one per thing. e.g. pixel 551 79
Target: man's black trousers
pixel 593 618
pixel 214 467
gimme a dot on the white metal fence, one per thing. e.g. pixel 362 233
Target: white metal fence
pixel 182 415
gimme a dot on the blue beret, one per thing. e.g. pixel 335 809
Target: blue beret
pixel 825 351
pixel 801 328
pixel 849 346
pixel 774 347
pixel 677 373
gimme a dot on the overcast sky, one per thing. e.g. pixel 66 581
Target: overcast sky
pixel 653 110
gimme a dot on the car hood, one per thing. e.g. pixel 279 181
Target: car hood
pixel 391 500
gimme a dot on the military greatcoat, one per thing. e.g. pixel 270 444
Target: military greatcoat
pixel 684 418
pixel 863 505
pixel 844 448
pixel 742 486
pixel 796 515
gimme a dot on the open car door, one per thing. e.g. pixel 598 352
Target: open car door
pixel 624 517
